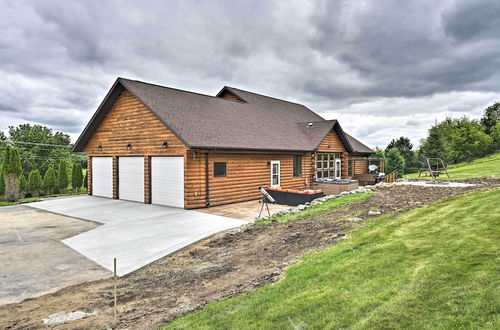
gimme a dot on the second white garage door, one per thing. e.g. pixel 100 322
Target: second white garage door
pixel 131 178
pixel 167 181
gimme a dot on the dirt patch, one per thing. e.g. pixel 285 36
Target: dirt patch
pixel 219 267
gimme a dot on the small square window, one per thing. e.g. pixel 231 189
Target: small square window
pixel 219 169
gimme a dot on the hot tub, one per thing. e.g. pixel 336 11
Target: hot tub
pixel 335 186
pixel 293 197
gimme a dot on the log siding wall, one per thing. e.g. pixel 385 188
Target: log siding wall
pixel 332 143
pixel 130 122
pixel 245 172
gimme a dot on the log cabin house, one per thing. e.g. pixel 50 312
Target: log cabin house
pixel 161 145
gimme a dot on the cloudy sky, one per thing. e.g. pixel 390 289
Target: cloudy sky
pixel 383 68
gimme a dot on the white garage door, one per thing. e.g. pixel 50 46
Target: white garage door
pixel 102 176
pixel 167 181
pixel 131 178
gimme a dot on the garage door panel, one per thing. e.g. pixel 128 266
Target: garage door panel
pixel 102 176
pixel 167 181
pixel 131 178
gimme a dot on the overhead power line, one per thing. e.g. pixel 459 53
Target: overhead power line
pixel 38 144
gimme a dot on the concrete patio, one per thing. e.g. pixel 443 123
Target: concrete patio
pixel 245 210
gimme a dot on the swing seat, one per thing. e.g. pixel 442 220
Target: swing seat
pixel 435 173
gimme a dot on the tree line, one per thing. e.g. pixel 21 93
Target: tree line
pixel 39 147
pixel 14 185
pixel 453 140
pixel 36 161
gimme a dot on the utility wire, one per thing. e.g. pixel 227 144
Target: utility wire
pixel 38 144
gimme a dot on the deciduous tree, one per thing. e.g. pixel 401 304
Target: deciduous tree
pixel 40 147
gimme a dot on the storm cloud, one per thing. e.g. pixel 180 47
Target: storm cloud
pixel 383 68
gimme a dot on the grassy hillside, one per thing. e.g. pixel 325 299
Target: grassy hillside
pixel 479 168
pixel 433 267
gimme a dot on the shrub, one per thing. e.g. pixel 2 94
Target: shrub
pixel 34 183
pixel 49 181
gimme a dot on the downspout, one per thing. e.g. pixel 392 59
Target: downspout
pixel 207 185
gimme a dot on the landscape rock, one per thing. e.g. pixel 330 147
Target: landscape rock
pixel 374 212
pixel 61 317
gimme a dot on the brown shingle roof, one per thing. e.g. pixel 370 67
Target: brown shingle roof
pixel 357 146
pixel 208 122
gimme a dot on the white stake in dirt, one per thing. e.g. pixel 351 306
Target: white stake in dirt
pixel 114 280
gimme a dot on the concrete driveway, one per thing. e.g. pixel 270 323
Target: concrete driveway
pixel 33 261
pixel 136 234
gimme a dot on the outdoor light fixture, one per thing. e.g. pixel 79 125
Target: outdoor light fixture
pixel 165 145
pixel 195 154
pixel 99 147
pixel 129 146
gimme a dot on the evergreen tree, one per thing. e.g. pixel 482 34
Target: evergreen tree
pixel 394 161
pixel 35 183
pixel 495 136
pixel 23 185
pixel 404 146
pixel 76 177
pixel 11 170
pixel 49 181
pixel 433 146
pixel 2 181
pixel 491 117
pixel 86 180
pixel 62 177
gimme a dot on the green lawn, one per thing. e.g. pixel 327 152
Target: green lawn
pixel 36 199
pixel 19 201
pixel 318 209
pixel 478 168
pixel 435 267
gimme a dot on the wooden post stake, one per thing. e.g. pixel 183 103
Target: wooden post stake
pixel 114 280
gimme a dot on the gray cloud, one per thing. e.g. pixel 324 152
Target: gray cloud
pixel 384 68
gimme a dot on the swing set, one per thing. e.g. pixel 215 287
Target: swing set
pixel 434 168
